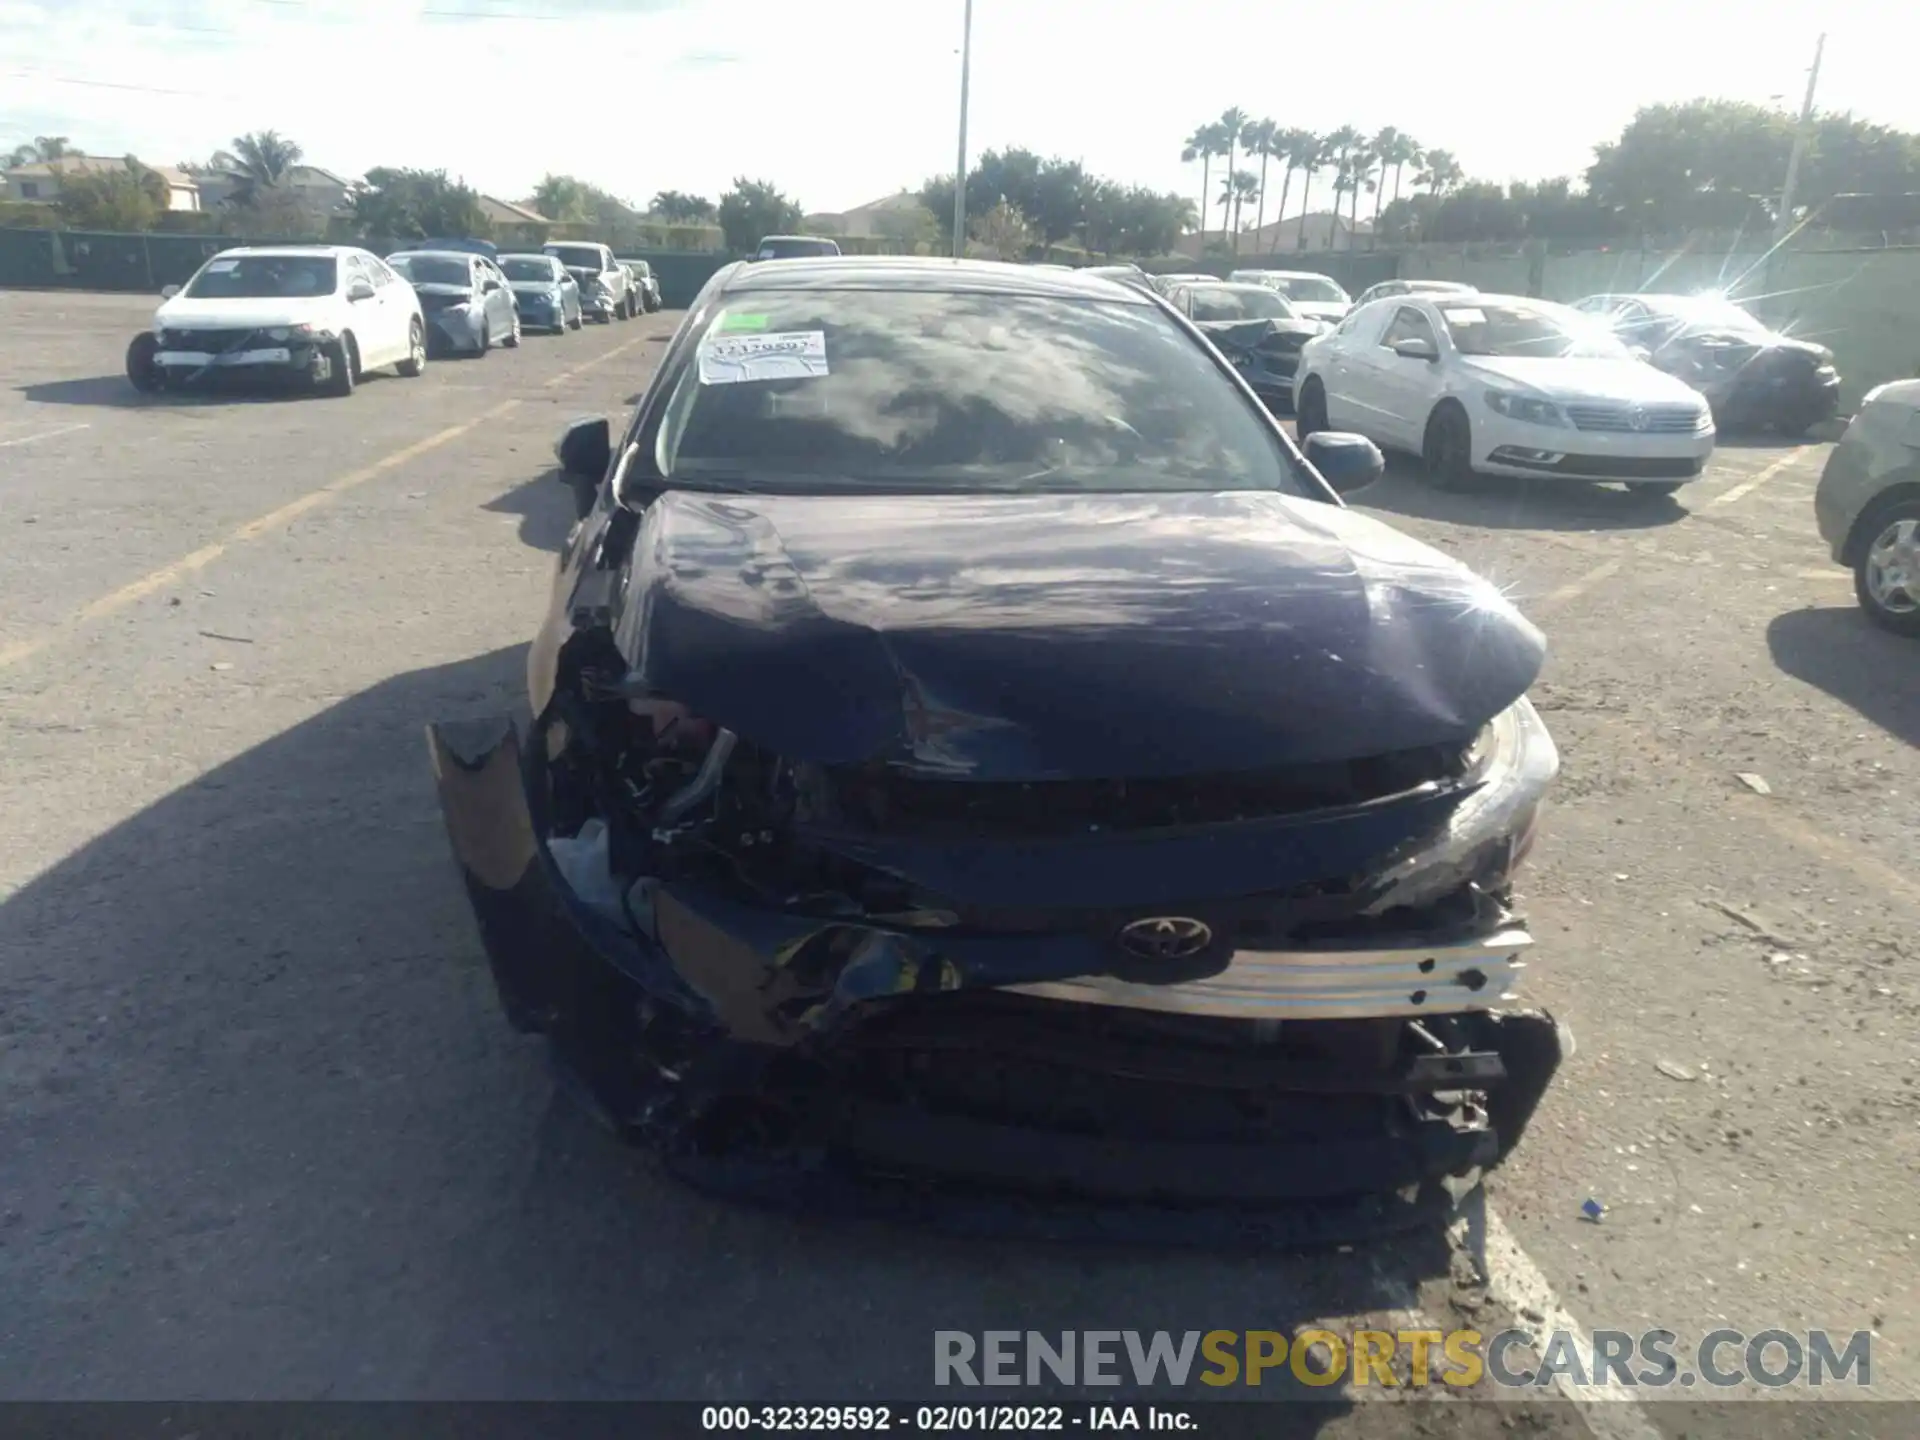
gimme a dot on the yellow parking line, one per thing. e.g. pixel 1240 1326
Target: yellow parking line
pixel 1747 487
pixel 1580 585
pixel 115 600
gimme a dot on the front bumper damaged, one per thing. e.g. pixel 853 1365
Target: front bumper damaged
pixel 991 1084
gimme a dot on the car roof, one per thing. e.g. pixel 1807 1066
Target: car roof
pixel 902 272
pixel 441 254
pixel 1290 274
pixel 828 238
pixel 519 255
pixel 334 250
pixel 1212 284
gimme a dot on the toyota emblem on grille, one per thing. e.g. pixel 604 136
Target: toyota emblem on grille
pixel 1166 937
pixel 1637 417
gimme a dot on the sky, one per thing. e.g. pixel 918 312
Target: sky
pixel 840 102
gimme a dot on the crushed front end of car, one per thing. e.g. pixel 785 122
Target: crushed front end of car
pixel 1266 353
pixel 177 358
pixel 798 908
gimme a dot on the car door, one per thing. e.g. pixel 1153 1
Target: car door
pixel 1337 365
pixel 1402 389
pixel 395 313
pixel 569 289
pixel 367 317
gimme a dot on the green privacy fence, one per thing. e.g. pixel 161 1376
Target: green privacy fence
pixel 101 260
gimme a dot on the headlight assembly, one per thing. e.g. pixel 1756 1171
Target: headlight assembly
pixel 1490 831
pixel 1529 408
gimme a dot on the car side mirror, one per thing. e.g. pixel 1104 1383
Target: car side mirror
pixel 167 292
pixel 585 448
pixel 360 290
pixel 1346 462
pixel 1414 348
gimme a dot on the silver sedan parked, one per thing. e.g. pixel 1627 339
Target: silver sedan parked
pixel 467 303
pixel 1868 505
pixel 544 289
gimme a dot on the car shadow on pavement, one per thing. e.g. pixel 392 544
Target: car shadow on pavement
pixel 274 1140
pixel 545 505
pixel 116 392
pixel 1501 504
pixel 1840 651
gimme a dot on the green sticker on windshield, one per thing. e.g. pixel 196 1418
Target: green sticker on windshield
pixel 735 321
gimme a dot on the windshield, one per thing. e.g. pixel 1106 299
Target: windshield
pixel 433 269
pixel 1250 302
pixel 577 257
pixel 528 269
pixel 788 249
pixel 1513 331
pixel 259 277
pixel 1315 289
pixel 808 391
pixel 1705 312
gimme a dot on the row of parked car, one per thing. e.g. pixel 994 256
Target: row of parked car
pixel 326 314
pixel 1627 387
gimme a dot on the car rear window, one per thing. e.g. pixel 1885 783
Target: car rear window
pixel 909 390
pixel 793 249
pixel 576 257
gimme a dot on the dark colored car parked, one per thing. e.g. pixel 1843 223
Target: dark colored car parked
pixel 1753 377
pixel 795 247
pixel 1256 328
pixel 545 291
pixel 468 305
pixel 980 772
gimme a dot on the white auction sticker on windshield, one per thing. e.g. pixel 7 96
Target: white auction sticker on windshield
pixel 1466 317
pixel 220 267
pixel 782 355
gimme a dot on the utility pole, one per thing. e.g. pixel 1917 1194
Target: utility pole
pixel 960 167
pixel 1783 221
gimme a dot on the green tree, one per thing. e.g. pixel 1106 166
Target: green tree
pixel 907 230
pixel 1236 189
pixel 42 149
pixel 1055 202
pixel 753 209
pixel 1343 154
pixel 683 209
pixel 131 198
pixel 402 204
pixel 264 159
pixel 1004 232
pixel 1395 151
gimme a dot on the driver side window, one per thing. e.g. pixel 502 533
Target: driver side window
pixel 1409 324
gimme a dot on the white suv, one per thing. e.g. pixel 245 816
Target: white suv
pixel 322 313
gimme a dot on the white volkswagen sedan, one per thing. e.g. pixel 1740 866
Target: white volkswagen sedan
pixel 324 314
pixel 1503 385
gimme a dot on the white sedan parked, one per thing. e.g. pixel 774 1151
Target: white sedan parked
pixel 324 314
pixel 1504 385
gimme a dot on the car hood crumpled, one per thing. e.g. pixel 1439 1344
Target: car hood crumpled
pixel 186 313
pixel 1025 637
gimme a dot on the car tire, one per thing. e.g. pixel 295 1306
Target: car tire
pixel 1310 408
pixel 1447 448
pixel 512 342
pixel 145 376
pixel 416 361
pixel 1657 489
pixel 579 321
pixel 1895 524
pixel 343 358
pixel 486 341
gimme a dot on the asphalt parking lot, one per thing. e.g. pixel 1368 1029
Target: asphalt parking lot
pixel 264 1134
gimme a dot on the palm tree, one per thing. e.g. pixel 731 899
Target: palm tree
pixel 1261 137
pixel 266 157
pixel 1236 188
pixel 1360 179
pixel 1202 145
pixel 1439 172
pixel 1391 148
pixel 1314 151
pixel 1292 146
pixel 1341 147
pixel 1233 125
pixel 43 148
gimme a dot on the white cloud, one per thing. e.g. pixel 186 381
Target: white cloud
pixel 842 101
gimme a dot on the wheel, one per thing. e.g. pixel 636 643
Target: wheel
pixel 1886 576
pixel 1310 408
pixel 147 377
pixel 486 340
pixel 512 342
pixel 1448 447
pixel 343 361
pixel 1657 489
pixel 579 321
pixel 416 360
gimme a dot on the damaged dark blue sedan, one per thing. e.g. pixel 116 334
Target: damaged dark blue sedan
pixel 978 771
